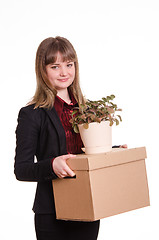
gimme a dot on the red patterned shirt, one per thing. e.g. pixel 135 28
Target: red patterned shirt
pixel 64 110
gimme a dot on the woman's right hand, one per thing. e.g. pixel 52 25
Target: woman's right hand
pixel 60 166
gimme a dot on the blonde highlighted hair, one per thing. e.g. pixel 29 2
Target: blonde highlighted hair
pixel 47 53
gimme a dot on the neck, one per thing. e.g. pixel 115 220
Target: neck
pixel 63 94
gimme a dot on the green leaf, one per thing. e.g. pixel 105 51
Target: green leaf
pixel 110 109
pixel 119 117
pixel 111 122
pixel 86 125
pixel 97 119
pixel 89 120
pixel 117 122
pixel 92 117
pixel 71 120
pixel 112 96
pixel 76 130
pixel 108 98
pixel 104 99
pixel 74 112
pixel 95 111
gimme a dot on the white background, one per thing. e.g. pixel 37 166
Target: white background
pixel 117 43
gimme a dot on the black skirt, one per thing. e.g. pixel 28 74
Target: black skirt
pixel 47 227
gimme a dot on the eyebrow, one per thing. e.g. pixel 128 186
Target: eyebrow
pixel 59 63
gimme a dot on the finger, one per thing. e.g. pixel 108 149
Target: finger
pixel 62 175
pixel 69 171
pixel 59 175
pixel 65 157
pixel 72 155
pixel 124 146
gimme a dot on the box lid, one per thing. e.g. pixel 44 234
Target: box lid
pixel 115 157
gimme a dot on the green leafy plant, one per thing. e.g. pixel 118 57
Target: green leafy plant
pixel 95 111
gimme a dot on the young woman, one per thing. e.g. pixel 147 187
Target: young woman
pixel 44 132
pixel 45 138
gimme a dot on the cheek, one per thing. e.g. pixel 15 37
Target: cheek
pixel 73 73
pixel 51 76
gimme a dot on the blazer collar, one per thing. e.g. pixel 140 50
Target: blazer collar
pixel 59 128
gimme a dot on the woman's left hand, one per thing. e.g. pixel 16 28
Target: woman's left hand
pixel 123 146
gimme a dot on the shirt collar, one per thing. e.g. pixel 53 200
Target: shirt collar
pixel 59 103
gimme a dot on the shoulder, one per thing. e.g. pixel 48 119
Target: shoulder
pixel 30 110
pixel 31 114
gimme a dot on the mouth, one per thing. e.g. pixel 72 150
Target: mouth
pixel 63 80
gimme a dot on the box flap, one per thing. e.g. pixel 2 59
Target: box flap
pixel 108 159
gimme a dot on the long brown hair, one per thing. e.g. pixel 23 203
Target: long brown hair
pixel 47 53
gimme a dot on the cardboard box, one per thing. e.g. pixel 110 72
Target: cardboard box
pixel 105 185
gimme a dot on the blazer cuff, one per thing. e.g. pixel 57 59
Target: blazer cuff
pixel 116 146
pixel 54 174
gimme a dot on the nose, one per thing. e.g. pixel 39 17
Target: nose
pixel 63 71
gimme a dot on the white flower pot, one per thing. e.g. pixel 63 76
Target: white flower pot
pixel 97 138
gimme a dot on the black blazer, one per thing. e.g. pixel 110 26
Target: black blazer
pixel 40 137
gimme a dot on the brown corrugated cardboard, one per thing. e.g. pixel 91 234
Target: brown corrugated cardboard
pixel 105 185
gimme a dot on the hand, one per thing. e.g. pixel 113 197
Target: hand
pixel 124 146
pixel 60 166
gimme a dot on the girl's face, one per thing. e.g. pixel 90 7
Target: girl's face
pixel 60 74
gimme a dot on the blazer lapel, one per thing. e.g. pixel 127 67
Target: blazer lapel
pixel 59 128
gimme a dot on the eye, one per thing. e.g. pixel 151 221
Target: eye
pixel 69 65
pixel 54 67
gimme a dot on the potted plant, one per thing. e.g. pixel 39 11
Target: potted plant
pixel 94 121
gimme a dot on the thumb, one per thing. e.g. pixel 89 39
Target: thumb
pixel 69 171
pixel 67 156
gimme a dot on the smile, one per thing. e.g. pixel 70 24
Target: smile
pixel 63 80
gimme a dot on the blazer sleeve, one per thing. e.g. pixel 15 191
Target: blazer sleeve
pixel 27 133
